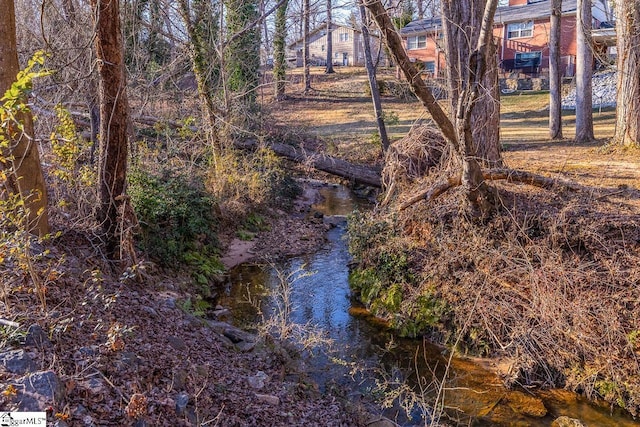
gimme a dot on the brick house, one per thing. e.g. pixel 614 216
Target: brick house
pixel 521 32
pixel 347 47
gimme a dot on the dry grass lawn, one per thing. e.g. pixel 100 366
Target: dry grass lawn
pixel 339 111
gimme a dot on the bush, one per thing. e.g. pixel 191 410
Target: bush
pixel 176 216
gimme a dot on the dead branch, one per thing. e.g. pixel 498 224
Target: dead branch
pixel 434 191
pixel 510 175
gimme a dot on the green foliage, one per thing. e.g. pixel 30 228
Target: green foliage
pixel 195 306
pixel 243 53
pixel 424 313
pixel 634 338
pixel 68 147
pixel 206 268
pixel 18 264
pixel 13 100
pixel 385 281
pixel 176 216
pixel 390 118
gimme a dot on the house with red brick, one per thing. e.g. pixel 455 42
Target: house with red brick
pixel 521 33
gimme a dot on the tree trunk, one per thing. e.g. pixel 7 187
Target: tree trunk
pixel 461 24
pixel 114 113
pixel 242 56
pixel 279 54
pixel 373 81
pixel 460 135
pixel 24 171
pixel 366 175
pixel 411 73
pixel 305 48
pixel 205 64
pixel 329 68
pixel 555 76
pixel 584 73
pixel 628 98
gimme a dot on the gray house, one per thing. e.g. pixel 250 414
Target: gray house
pixel 347 47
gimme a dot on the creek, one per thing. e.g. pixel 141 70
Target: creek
pixel 365 353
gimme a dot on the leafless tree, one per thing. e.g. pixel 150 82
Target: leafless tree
pixel 114 119
pixel 373 81
pixel 555 75
pixel 584 73
pixel 628 98
pixel 20 160
pixel 329 68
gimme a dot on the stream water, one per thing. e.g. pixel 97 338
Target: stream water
pixel 364 352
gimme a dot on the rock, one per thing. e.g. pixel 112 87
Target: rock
pixel 268 398
pixel 177 343
pixel 245 346
pixel 150 311
pixel 40 390
pixel 179 379
pixel 525 404
pixel 335 220
pixel 94 386
pixel 566 422
pixel 257 381
pixel 604 91
pixel 222 312
pixel 36 336
pixel 17 362
pixel 182 400
pixel 234 334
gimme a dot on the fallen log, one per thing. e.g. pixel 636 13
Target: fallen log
pixel 361 174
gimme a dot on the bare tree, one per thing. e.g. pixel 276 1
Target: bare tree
pixel 555 76
pixel 305 47
pixel 628 98
pixel 584 73
pixel 114 119
pixel 329 68
pixel 460 21
pixel 20 160
pixel 279 54
pixel 373 81
pixel 458 132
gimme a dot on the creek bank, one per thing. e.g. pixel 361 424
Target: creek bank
pixel 290 234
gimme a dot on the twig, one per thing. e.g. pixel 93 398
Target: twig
pixel 9 323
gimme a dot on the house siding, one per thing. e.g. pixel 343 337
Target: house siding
pixel 347 47
pixel 539 42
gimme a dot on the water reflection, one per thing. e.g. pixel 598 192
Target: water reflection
pixel 472 394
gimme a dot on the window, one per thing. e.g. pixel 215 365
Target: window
pixel 344 37
pixel 430 67
pixel 520 29
pixel 527 59
pixel 322 48
pixel 416 42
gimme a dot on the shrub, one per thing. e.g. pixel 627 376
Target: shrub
pixel 176 216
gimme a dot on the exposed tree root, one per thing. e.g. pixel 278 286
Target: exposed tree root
pixel 510 175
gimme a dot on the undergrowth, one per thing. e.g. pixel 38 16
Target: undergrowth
pixel 549 282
